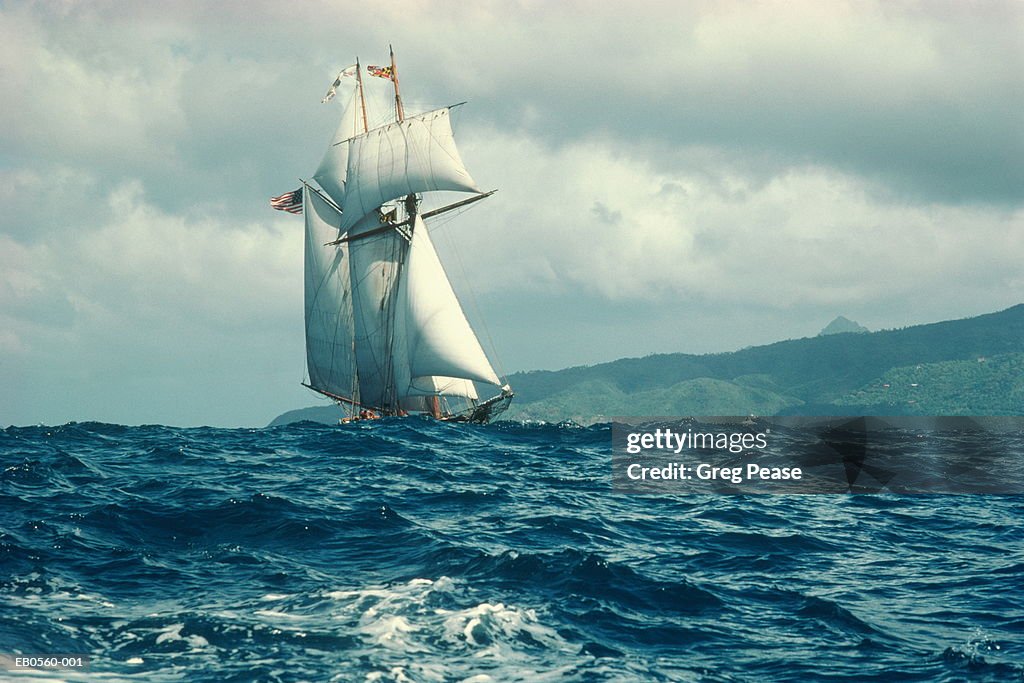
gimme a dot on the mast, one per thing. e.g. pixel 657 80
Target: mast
pixel 399 110
pixel 410 210
pixel 434 403
pixel 362 98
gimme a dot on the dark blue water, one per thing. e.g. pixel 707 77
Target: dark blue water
pixel 409 550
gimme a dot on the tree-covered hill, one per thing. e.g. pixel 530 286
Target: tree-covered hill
pixel 818 373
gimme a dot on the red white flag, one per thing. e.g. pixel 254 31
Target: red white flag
pixel 381 72
pixel 289 201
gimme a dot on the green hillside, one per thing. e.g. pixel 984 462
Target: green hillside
pixel 596 401
pixel 827 374
pixel 981 386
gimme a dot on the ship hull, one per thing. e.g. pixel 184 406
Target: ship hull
pixel 484 412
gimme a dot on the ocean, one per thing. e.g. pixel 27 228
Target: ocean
pixel 411 550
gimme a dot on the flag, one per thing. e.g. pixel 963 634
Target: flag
pixel 344 73
pixel 289 201
pixel 381 72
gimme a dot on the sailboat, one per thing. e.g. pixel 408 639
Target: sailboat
pixel 385 333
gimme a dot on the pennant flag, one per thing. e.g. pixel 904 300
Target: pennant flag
pixel 381 72
pixel 289 201
pixel 344 73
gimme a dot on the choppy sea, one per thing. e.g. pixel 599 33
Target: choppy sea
pixel 411 550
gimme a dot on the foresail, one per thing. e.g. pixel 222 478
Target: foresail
pixel 330 175
pixel 432 327
pixel 415 155
pixel 441 386
pixel 330 357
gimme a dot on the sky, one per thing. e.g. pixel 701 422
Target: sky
pixel 673 177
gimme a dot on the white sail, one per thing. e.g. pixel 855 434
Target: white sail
pixel 432 330
pixel 330 358
pixel 330 175
pixel 402 158
pixel 441 386
pixel 374 265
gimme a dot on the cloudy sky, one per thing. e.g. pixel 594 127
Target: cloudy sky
pixel 694 176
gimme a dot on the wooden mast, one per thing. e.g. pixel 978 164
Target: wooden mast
pixel 391 390
pixel 410 200
pixel 399 110
pixel 362 98
pixel 435 407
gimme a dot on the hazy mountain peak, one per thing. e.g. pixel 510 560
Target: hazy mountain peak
pixel 842 324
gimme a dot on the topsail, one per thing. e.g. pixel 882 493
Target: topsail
pixel 330 175
pixel 399 159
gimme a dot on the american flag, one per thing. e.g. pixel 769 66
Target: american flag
pixel 289 201
pixel 381 71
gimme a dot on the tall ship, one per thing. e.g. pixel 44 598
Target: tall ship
pixel 385 333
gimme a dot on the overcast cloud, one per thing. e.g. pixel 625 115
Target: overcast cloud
pixel 695 177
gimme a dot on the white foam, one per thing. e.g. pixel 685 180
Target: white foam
pixel 277 614
pixel 389 631
pixel 274 596
pixel 488 641
pixel 170 633
pixel 197 642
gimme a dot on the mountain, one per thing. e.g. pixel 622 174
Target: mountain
pixel 973 366
pixel 840 325
pixel 832 374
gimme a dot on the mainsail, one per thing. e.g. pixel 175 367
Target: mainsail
pixel 373 269
pixel 384 328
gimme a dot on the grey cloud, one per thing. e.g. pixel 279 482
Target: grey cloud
pixel 711 134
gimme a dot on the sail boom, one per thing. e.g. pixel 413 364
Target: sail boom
pixel 456 205
pixel 336 397
pixel 323 196
pixel 347 237
pixel 427 214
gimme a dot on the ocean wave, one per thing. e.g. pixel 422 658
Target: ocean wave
pixel 411 550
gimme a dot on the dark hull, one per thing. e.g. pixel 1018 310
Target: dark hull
pixel 484 412
pixel 478 414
